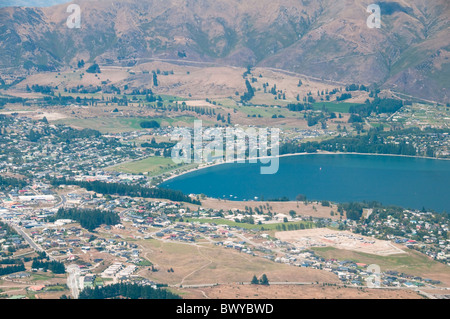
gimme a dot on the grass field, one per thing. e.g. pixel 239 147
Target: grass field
pixel 122 124
pixel 40 276
pixel 376 125
pixel 259 109
pixel 342 107
pixel 313 209
pixel 105 124
pixel 247 225
pixel 155 165
pixel 207 263
pixel 268 111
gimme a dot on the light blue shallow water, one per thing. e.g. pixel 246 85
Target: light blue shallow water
pixel 391 180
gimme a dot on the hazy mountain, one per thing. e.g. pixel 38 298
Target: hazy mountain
pixel 30 3
pixel 326 38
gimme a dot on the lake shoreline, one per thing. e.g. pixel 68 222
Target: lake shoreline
pixel 295 154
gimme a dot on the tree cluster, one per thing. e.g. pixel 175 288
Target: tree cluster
pixel 377 106
pixel 149 124
pixel 262 281
pixel 55 267
pixel 89 218
pixel 128 291
pixel 127 190
pixel 11 269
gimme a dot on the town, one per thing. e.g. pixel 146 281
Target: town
pixel 114 253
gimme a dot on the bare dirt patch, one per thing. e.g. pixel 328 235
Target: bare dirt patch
pixel 207 264
pixel 312 209
pixel 294 292
pixel 324 237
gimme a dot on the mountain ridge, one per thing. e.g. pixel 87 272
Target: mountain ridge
pixel 325 39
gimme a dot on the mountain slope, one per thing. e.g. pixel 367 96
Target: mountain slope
pixel 326 39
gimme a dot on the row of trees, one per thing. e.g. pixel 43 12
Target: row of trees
pixel 9 261
pixel 127 190
pixel 11 269
pixel 155 79
pixel 154 144
pixel 344 96
pixel 7 100
pixel 373 142
pixel 356 87
pixel 247 96
pixel 298 107
pixel 197 109
pixel 297 226
pixel 44 89
pixel 84 90
pixel 128 291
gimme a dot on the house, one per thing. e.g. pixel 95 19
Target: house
pixel 20 275
pixel 89 280
pixel 36 288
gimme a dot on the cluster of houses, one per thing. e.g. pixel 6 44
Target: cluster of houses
pixel 119 271
pixel 297 135
pixel 352 273
pixel 28 196
pixel 65 241
pixel 68 243
pixel 420 230
pixel 10 241
pixel 422 115
pixel 40 149
pixel 348 272
pixel 127 137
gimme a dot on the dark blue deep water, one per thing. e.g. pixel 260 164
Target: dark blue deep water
pixel 392 180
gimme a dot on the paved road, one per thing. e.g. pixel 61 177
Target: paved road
pixel 61 203
pixel 27 238
pixel 73 280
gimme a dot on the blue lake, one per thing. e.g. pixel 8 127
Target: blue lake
pixel 392 180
